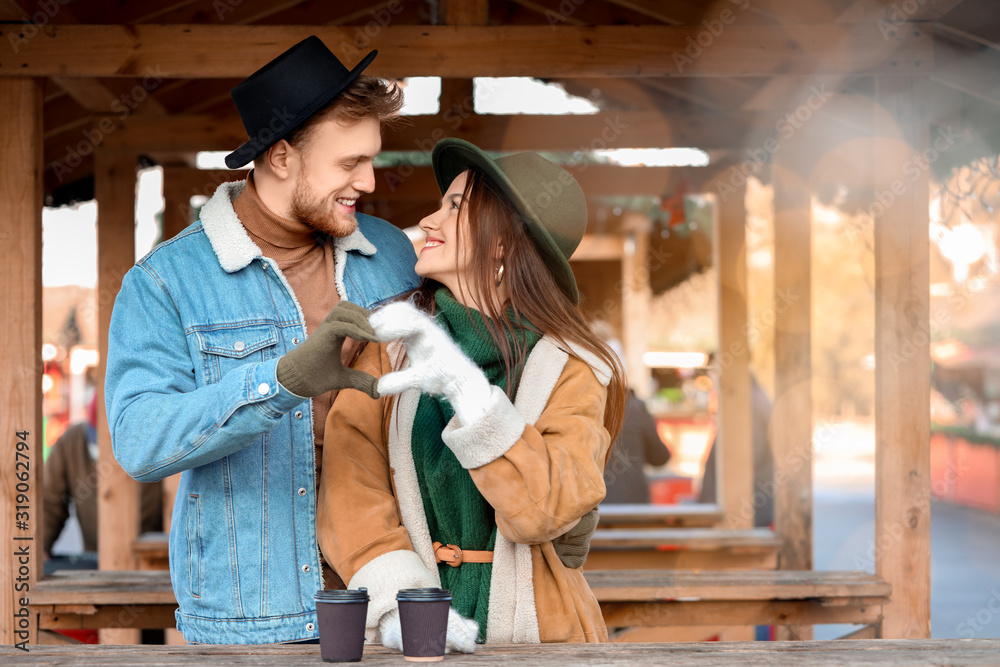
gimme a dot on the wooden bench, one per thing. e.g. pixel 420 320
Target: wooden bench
pixel 151 551
pixel 145 599
pixel 73 599
pixel 678 598
pixel 683 549
pixel 653 516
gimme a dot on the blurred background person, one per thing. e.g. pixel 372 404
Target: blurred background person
pixel 638 444
pixel 71 478
pixel 763 460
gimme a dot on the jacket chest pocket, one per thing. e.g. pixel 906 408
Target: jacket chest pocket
pixel 224 349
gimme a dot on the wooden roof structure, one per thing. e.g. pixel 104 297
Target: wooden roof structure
pixel 816 95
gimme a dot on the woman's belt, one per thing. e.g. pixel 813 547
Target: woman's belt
pixel 454 556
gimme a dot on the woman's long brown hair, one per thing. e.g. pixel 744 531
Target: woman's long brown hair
pixel 497 233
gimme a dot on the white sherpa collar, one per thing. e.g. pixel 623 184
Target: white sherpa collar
pixel 235 250
pixel 225 232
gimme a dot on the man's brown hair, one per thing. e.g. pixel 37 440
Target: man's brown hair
pixel 365 97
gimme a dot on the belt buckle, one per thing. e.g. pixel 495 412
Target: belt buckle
pixel 456 558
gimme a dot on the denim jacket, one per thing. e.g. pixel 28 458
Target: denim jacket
pixel 196 333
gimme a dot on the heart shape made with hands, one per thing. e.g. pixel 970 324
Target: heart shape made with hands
pixel 437 364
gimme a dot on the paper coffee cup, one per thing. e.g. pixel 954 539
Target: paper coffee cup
pixel 423 619
pixel 341 618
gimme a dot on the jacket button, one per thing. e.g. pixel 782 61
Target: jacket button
pixel 295 341
pixel 306 568
pixel 263 388
pixel 298 414
pixel 310 626
pixel 302 492
pixel 263 265
pixel 239 346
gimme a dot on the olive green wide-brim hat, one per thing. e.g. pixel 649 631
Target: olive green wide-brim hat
pixel 547 196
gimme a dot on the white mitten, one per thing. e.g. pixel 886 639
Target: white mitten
pixel 437 365
pixel 462 634
pixel 389 630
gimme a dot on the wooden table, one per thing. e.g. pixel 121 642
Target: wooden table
pixel 74 599
pixel 151 550
pixel 629 598
pixel 677 598
pixel 852 653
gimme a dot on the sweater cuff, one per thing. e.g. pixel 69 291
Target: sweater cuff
pixel 384 576
pixel 489 437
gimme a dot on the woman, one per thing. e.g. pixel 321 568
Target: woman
pixel 506 410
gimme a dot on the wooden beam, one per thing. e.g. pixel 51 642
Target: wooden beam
pixel 464 12
pixel 972 71
pixel 902 360
pixel 635 298
pixel 118 494
pixel 177 213
pixel 21 514
pixel 942 29
pixel 627 129
pixel 598 248
pixel 892 13
pixel 10 10
pixel 400 184
pixel 99 98
pixel 674 13
pixel 735 416
pixel 417 183
pixel 195 51
pixel 792 419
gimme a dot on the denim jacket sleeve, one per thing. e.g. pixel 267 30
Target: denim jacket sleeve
pixel 161 422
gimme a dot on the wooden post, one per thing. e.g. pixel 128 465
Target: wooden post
pixel 176 206
pixel 21 363
pixel 902 356
pixel 792 419
pixel 457 94
pixel 735 416
pixel 636 295
pixel 118 497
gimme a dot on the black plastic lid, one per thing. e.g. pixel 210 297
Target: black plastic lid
pixel 423 594
pixel 359 595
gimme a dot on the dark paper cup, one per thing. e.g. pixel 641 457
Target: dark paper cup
pixel 423 618
pixel 341 617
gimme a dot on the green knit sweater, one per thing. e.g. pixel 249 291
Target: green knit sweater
pixel 456 512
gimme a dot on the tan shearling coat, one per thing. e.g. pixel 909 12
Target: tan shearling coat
pixel 538 462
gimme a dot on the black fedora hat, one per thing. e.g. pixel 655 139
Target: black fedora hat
pixel 284 93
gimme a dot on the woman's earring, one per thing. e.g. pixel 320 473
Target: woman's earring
pixel 499 275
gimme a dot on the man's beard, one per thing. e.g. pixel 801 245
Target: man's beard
pixel 315 212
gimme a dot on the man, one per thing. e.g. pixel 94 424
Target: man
pixel 225 345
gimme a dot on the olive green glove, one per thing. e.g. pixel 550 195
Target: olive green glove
pixel 314 367
pixel 572 547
